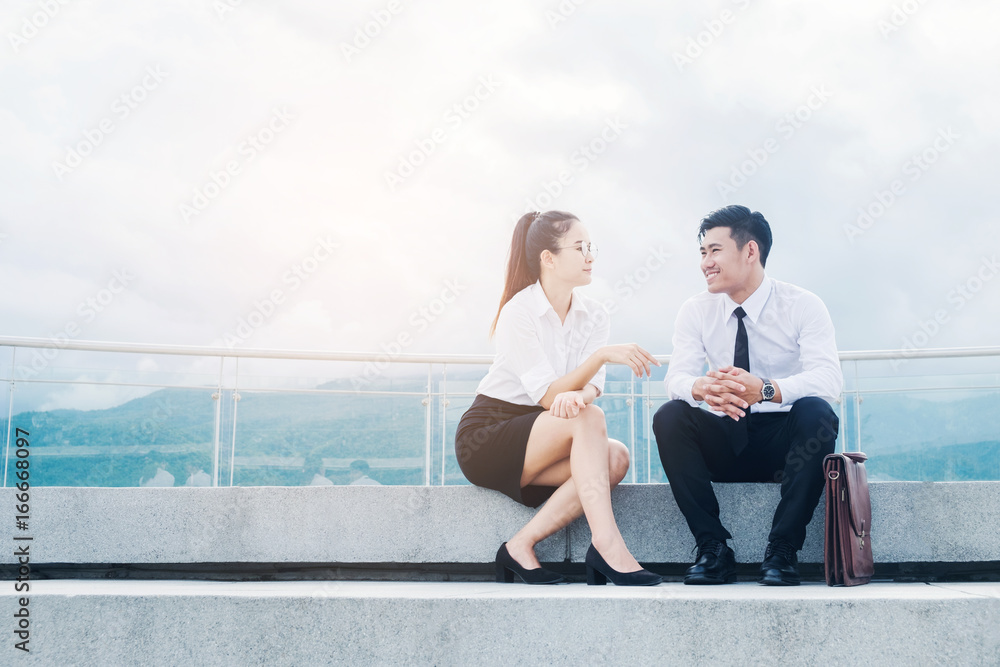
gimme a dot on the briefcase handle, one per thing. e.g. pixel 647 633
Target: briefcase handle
pixel 857 457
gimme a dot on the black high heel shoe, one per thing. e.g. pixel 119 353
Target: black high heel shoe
pixel 507 567
pixel 599 573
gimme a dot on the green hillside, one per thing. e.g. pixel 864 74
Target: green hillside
pixel 282 438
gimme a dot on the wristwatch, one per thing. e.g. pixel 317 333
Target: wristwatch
pixel 767 391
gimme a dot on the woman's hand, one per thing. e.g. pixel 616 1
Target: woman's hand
pixel 630 355
pixel 567 405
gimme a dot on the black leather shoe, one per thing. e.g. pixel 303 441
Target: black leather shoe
pixel 716 564
pixel 507 567
pixel 780 566
pixel 600 573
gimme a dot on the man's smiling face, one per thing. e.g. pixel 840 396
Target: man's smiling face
pixel 727 269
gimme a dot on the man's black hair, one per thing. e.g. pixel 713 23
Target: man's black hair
pixel 744 226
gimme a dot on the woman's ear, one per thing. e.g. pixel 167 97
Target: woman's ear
pixel 547 258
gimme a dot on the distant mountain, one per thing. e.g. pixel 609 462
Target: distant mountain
pixel 117 446
pixel 898 423
pixel 281 436
pixel 979 461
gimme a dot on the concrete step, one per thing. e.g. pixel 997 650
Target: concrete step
pixel 912 522
pixel 77 622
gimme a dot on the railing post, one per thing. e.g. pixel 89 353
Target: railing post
pixel 10 415
pixel 444 420
pixel 236 404
pixel 217 397
pixel 842 433
pixel 647 420
pixel 857 404
pixel 631 422
pixel 427 427
pixel 842 407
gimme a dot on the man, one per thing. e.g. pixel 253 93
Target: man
pixel 773 368
pixel 162 477
pixel 197 476
pixel 314 464
pixel 359 474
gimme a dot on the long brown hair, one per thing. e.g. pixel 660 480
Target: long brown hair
pixel 533 233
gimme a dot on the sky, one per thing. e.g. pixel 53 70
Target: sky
pixel 346 176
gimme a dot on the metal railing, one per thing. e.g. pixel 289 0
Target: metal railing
pixel 642 394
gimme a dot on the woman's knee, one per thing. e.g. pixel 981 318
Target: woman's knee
pixel 618 461
pixel 592 419
pixel 589 423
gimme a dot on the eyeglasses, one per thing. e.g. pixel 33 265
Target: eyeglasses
pixel 584 248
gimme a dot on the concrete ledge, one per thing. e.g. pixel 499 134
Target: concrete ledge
pixel 912 522
pixel 296 623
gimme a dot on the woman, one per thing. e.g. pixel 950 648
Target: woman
pixel 533 431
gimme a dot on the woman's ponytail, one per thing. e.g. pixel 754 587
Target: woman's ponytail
pixel 533 233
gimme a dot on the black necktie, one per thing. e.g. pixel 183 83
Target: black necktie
pixel 741 357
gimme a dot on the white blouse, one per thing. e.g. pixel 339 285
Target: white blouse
pixel 534 348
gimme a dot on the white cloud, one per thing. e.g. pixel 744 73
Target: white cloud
pixel 354 121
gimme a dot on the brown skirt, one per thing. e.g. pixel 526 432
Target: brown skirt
pixel 490 442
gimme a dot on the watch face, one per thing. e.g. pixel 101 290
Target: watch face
pixel 768 391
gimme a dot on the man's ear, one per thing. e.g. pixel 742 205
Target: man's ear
pixel 753 251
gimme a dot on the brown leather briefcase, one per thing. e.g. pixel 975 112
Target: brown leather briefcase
pixel 847 549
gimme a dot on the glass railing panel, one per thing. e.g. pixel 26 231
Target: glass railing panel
pixel 921 419
pixel 112 419
pixel 613 403
pixel 459 397
pixel 297 438
pixel 106 435
pixel 903 374
pixel 7 358
pixel 52 365
pixel 938 435
pixel 654 396
pixel 117 419
pixel 378 375
pixel 847 412
pixel 453 394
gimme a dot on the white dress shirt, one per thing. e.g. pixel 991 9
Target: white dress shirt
pixel 789 333
pixel 199 478
pixel 320 480
pixel 161 478
pixel 534 348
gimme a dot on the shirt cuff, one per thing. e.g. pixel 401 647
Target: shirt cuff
pixel 791 390
pixel 598 380
pixel 682 388
pixel 536 382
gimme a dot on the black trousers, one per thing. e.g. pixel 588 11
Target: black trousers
pixel 698 448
